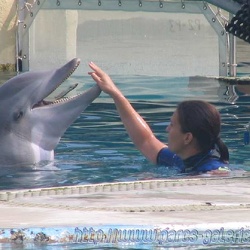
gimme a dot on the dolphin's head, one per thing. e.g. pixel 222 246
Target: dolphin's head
pixel 31 127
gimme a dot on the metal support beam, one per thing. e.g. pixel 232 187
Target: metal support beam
pixel 222 39
pixel 196 6
pixel 31 14
pixel 27 15
pixel 127 5
pixel 232 54
pixel 19 34
pixel 228 5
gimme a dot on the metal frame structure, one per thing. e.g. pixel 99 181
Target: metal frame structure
pixel 28 9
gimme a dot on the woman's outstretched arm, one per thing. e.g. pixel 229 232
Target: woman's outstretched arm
pixel 138 130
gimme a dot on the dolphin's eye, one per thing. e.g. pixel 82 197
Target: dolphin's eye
pixel 18 115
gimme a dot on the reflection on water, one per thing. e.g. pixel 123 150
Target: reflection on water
pixel 97 149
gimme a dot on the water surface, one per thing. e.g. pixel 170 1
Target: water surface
pixel 96 147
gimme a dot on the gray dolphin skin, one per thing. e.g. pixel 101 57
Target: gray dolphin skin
pixel 30 127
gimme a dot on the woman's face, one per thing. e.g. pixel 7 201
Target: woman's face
pixel 176 138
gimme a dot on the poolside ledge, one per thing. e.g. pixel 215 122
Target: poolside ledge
pixel 172 212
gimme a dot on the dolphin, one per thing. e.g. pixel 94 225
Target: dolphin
pixel 30 126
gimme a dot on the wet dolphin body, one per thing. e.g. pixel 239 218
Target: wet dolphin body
pixel 30 127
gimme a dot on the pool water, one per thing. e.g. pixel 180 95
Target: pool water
pixel 97 149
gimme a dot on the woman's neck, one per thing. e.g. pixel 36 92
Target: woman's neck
pixel 195 161
pixel 189 152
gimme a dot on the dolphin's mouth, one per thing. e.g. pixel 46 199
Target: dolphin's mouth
pixel 50 99
pixel 61 97
pixel 41 103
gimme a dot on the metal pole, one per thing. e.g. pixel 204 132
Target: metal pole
pixel 19 42
pixel 232 53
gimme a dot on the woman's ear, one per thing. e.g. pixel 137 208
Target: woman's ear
pixel 188 138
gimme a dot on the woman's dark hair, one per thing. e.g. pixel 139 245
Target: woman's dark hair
pixel 203 120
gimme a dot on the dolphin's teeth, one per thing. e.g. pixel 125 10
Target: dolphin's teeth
pixel 61 100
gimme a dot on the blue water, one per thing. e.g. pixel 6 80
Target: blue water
pixel 97 149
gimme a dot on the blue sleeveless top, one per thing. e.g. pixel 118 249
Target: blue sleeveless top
pixel 199 163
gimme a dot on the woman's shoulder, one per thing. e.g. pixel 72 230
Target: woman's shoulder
pixel 166 157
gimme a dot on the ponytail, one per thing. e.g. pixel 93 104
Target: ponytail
pixel 223 150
